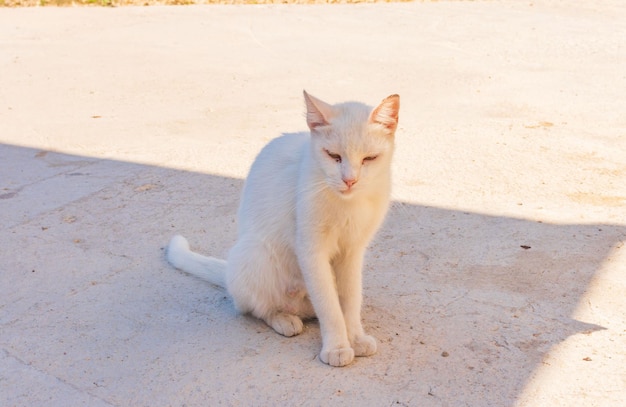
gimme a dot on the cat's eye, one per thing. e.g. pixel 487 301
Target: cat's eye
pixel 334 156
pixel 370 158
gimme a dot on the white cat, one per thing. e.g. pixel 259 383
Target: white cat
pixel 309 208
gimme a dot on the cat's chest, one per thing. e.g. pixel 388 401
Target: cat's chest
pixel 357 223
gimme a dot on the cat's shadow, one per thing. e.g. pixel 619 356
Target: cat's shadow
pixel 465 306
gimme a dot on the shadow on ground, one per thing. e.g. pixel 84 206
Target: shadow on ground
pixel 465 305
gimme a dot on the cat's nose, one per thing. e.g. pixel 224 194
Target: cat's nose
pixel 349 182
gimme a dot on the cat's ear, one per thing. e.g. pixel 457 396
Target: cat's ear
pixel 317 112
pixel 386 114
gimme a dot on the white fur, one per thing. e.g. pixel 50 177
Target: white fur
pixel 305 220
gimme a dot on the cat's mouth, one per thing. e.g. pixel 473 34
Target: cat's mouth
pixel 343 190
pixel 348 192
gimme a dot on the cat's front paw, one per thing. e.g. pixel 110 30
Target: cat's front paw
pixel 337 357
pixel 364 345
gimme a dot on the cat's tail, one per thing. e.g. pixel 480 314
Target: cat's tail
pixel 207 268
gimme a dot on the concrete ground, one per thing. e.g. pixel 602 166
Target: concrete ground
pixel 499 278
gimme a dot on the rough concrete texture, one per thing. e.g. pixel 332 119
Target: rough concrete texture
pixel 499 278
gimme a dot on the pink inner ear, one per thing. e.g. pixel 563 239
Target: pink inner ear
pixel 387 112
pixel 317 111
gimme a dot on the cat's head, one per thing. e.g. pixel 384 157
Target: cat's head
pixel 352 143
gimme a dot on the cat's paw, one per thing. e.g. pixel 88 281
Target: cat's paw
pixel 286 324
pixel 364 345
pixel 337 357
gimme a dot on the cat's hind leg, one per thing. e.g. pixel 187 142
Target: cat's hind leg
pixel 258 282
pixel 285 324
